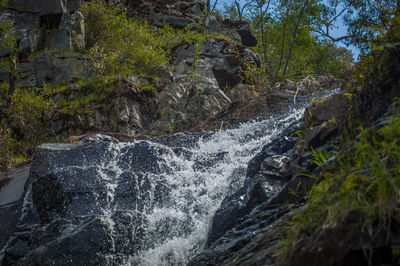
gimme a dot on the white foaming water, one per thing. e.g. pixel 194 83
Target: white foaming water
pixel 215 168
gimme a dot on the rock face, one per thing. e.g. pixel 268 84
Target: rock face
pixel 45 7
pixel 55 26
pixel 58 23
pixel 175 13
pixel 69 33
pixel 71 209
pixel 26 26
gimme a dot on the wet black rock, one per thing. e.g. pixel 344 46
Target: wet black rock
pixel 267 174
pixel 66 212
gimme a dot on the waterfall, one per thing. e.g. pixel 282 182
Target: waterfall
pixel 149 202
pixel 195 180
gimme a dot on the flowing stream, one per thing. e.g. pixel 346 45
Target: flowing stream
pixel 194 180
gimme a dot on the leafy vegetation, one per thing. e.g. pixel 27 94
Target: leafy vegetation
pixel 24 127
pixel 121 46
pixel 367 172
pixel 367 178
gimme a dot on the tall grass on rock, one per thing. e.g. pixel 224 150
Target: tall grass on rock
pixel 118 45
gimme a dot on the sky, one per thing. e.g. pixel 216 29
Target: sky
pixel 338 30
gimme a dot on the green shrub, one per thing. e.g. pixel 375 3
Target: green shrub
pixel 28 115
pixel 23 125
pixel 119 46
pixel 256 77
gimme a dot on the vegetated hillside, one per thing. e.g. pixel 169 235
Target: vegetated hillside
pixel 351 215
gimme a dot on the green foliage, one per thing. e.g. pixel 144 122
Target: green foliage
pixel 119 46
pixel 372 20
pixel 326 57
pixel 90 94
pixel 255 76
pixel 380 67
pixel 24 125
pixel 289 36
pixel 367 178
pixel 27 114
pixel 80 104
pixel 319 157
pixel 6 146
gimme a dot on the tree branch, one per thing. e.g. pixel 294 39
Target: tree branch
pixel 330 37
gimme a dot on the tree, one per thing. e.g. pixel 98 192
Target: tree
pixel 284 29
pixel 366 20
pixel 237 9
pixel 210 7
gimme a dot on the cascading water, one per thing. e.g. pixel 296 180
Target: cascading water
pixel 149 202
pixel 194 182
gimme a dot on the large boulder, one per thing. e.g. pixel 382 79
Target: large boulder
pixel 85 203
pixel 325 118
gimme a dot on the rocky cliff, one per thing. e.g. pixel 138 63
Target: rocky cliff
pixel 50 36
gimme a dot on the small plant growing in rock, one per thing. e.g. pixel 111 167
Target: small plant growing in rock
pixel 256 77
